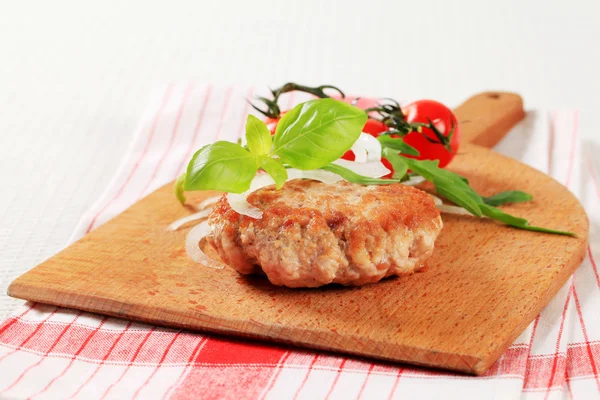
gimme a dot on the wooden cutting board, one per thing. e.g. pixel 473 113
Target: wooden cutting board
pixel 481 288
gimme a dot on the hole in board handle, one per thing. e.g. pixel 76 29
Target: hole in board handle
pixel 493 95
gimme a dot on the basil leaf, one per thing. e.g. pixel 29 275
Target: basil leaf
pixel 521 223
pixel 275 168
pixel 179 188
pixel 353 177
pixel 448 184
pixel 317 132
pixel 510 196
pixel 222 166
pixel 258 136
pixel 400 167
pixel 397 144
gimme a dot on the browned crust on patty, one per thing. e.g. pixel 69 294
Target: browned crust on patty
pixel 312 234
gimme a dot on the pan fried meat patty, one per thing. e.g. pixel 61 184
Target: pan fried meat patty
pixel 312 234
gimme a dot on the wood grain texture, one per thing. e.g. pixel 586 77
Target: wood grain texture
pixel 486 117
pixel 481 288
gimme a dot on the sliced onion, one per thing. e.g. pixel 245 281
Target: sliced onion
pixel 445 208
pixel 196 216
pixel 208 202
pixel 238 202
pixel 199 215
pixel 415 180
pixel 192 246
pixel 374 169
pixel 316 175
pixel 366 148
pixel 436 200
pixel 448 209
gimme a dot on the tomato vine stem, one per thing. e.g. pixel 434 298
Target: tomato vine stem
pixel 273 110
pixel 389 113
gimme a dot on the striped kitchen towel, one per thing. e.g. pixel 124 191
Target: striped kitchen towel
pixel 52 353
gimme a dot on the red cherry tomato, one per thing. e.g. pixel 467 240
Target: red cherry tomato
pixel 272 122
pixel 349 155
pixel 443 120
pixel 374 127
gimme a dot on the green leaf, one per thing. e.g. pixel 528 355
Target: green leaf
pixel 400 166
pixel 521 223
pixel 222 166
pixel 448 184
pixel 179 188
pixel 353 177
pixel 456 189
pixel 397 144
pixel 317 132
pixel 258 136
pixel 275 168
pixel 447 188
pixel 510 196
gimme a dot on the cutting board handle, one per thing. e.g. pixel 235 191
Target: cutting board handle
pixel 486 117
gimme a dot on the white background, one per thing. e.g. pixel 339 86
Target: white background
pixel 74 77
